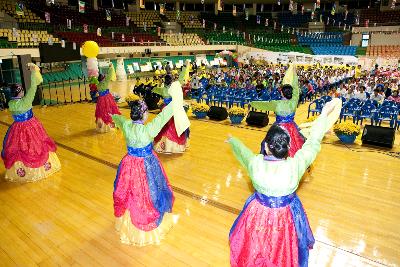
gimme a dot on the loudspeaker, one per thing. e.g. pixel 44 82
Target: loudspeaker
pixel 259 119
pixel 378 136
pixel 217 113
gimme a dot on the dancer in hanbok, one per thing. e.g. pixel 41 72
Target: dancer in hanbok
pixel 29 154
pixel 143 197
pixel 273 229
pixel 285 109
pixel 168 141
pixel 106 105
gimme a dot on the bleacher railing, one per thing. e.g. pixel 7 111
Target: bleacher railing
pixel 65 92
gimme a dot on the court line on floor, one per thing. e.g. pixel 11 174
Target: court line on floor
pixel 189 194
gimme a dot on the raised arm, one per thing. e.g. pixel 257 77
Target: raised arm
pixel 107 79
pixel 292 79
pixel 184 75
pixel 265 105
pixel 31 92
pixel 307 154
pixel 242 153
pixel 155 126
pixel 119 120
pixel 160 91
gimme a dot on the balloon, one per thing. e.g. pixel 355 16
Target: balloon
pixel 93 73
pixel 92 63
pixel 90 49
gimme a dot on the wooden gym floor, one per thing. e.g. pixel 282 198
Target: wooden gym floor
pixel 351 198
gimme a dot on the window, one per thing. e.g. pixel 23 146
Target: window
pixel 365 40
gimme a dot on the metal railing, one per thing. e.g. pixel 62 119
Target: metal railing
pixel 65 92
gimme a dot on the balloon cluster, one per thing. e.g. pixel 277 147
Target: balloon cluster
pixel 91 49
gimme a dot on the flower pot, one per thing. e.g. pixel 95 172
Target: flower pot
pixel 200 115
pixel 347 139
pixel 235 119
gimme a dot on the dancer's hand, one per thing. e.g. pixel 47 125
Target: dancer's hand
pixel 328 108
pixel 32 67
pixel 229 138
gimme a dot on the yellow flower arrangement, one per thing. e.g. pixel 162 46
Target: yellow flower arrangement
pixel 346 128
pixel 132 97
pixel 199 107
pixel 237 111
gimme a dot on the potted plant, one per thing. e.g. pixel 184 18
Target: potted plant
pixel 347 131
pixel 131 97
pixel 200 110
pixel 236 115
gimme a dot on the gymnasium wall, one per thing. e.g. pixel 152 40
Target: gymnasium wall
pixel 377 39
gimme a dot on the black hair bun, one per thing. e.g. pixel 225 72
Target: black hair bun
pixel 136 110
pixel 287 91
pixel 278 141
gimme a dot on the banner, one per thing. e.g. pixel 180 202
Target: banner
pixel 47 17
pixel 141 4
pixel 15 32
pixel 108 15
pixel 69 24
pixel 81 7
pixel 162 9
pixel 234 10
pixel 220 5
pixel 85 28
pixel 19 9
pixel 98 31
pixel 333 11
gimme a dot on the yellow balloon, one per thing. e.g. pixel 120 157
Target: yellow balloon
pixel 90 49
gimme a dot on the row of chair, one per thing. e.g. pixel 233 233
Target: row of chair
pixel 360 110
pixel 230 97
